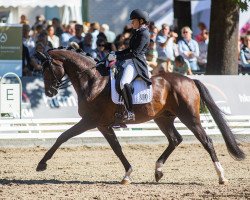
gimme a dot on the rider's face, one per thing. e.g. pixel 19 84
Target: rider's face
pixel 135 23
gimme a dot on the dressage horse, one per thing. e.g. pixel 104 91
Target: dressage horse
pixel 174 96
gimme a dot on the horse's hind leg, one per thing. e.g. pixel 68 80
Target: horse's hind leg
pixel 80 127
pixel 110 136
pixel 166 124
pixel 193 123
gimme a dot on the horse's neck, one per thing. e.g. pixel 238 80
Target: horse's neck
pixel 87 82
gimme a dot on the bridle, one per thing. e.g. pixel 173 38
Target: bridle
pixel 59 83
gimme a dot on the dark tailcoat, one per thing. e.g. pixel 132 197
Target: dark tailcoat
pixel 138 46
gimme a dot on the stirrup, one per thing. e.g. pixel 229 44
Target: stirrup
pixel 130 116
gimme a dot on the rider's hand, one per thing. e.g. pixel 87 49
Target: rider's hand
pixel 112 56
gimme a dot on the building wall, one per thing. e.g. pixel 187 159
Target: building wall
pixel 116 12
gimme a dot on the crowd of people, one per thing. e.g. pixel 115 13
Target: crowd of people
pixel 185 54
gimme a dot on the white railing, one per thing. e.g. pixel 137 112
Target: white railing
pixel 52 128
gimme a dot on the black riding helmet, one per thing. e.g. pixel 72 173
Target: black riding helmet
pixel 139 14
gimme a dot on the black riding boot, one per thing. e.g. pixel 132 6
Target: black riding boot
pixel 128 101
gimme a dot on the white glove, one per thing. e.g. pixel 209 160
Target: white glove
pixel 111 56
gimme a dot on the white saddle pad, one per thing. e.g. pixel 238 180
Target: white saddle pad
pixel 142 93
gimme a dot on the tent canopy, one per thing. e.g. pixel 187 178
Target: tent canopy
pixel 68 9
pixel 42 3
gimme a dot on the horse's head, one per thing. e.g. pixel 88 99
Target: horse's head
pixel 53 72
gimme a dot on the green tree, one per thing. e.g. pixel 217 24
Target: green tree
pixel 223 36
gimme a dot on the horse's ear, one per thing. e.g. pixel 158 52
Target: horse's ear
pixel 40 56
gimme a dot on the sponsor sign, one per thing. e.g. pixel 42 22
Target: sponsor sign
pixel 231 93
pixel 10 49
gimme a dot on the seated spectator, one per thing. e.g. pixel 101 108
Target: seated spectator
pixel 203 46
pixel 94 30
pixel 78 38
pixel 100 52
pixel 181 66
pixel 28 41
pixel 189 48
pixel 43 38
pixel 56 23
pixel 245 53
pixel 36 63
pixel 86 45
pixel 151 57
pixel 69 33
pixel 109 34
pixel 52 37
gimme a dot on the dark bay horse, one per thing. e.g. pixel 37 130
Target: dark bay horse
pixel 173 96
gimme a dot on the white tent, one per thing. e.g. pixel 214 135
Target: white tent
pixel 69 9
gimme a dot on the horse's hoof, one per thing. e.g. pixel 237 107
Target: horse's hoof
pixel 125 182
pixel 158 175
pixel 41 167
pixel 223 182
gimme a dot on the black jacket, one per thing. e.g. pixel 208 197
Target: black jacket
pixel 138 46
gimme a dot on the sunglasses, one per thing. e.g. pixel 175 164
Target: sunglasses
pixel 184 32
pixel 101 45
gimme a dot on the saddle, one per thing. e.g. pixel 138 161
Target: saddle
pixel 141 92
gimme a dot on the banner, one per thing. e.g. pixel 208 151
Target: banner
pixel 10 49
pixel 231 94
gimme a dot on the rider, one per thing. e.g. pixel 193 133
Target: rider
pixel 134 57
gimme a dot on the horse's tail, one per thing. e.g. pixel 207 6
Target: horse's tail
pixel 216 113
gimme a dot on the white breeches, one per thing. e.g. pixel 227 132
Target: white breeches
pixel 129 73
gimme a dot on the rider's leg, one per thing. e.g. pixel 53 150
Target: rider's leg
pixel 128 75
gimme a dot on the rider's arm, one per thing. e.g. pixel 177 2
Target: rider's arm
pixel 142 41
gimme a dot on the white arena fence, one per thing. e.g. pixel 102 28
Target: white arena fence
pixel 52 128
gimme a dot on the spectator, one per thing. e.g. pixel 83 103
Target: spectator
pixel 110 35
pixel 28 41
pixel 164 31
pixel 36 63
pixel 39 29
pixel 24 19
pixel 56 23
pixel 69 33
pixel 151 56
pixel 52 37
pixel 43 38
pixel 153 33
pixel 189 48
pixel 78 38
pixel 40 20
pixel 26 67
pixel 245 52
pixel 86 45
pixel 201 27
pixel 203 46
pixel 181 66
pixel 165 49
pixel 100 52
pixel 94 30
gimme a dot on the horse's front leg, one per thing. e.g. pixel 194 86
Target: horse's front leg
pixel 80 127
pixel 110 136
